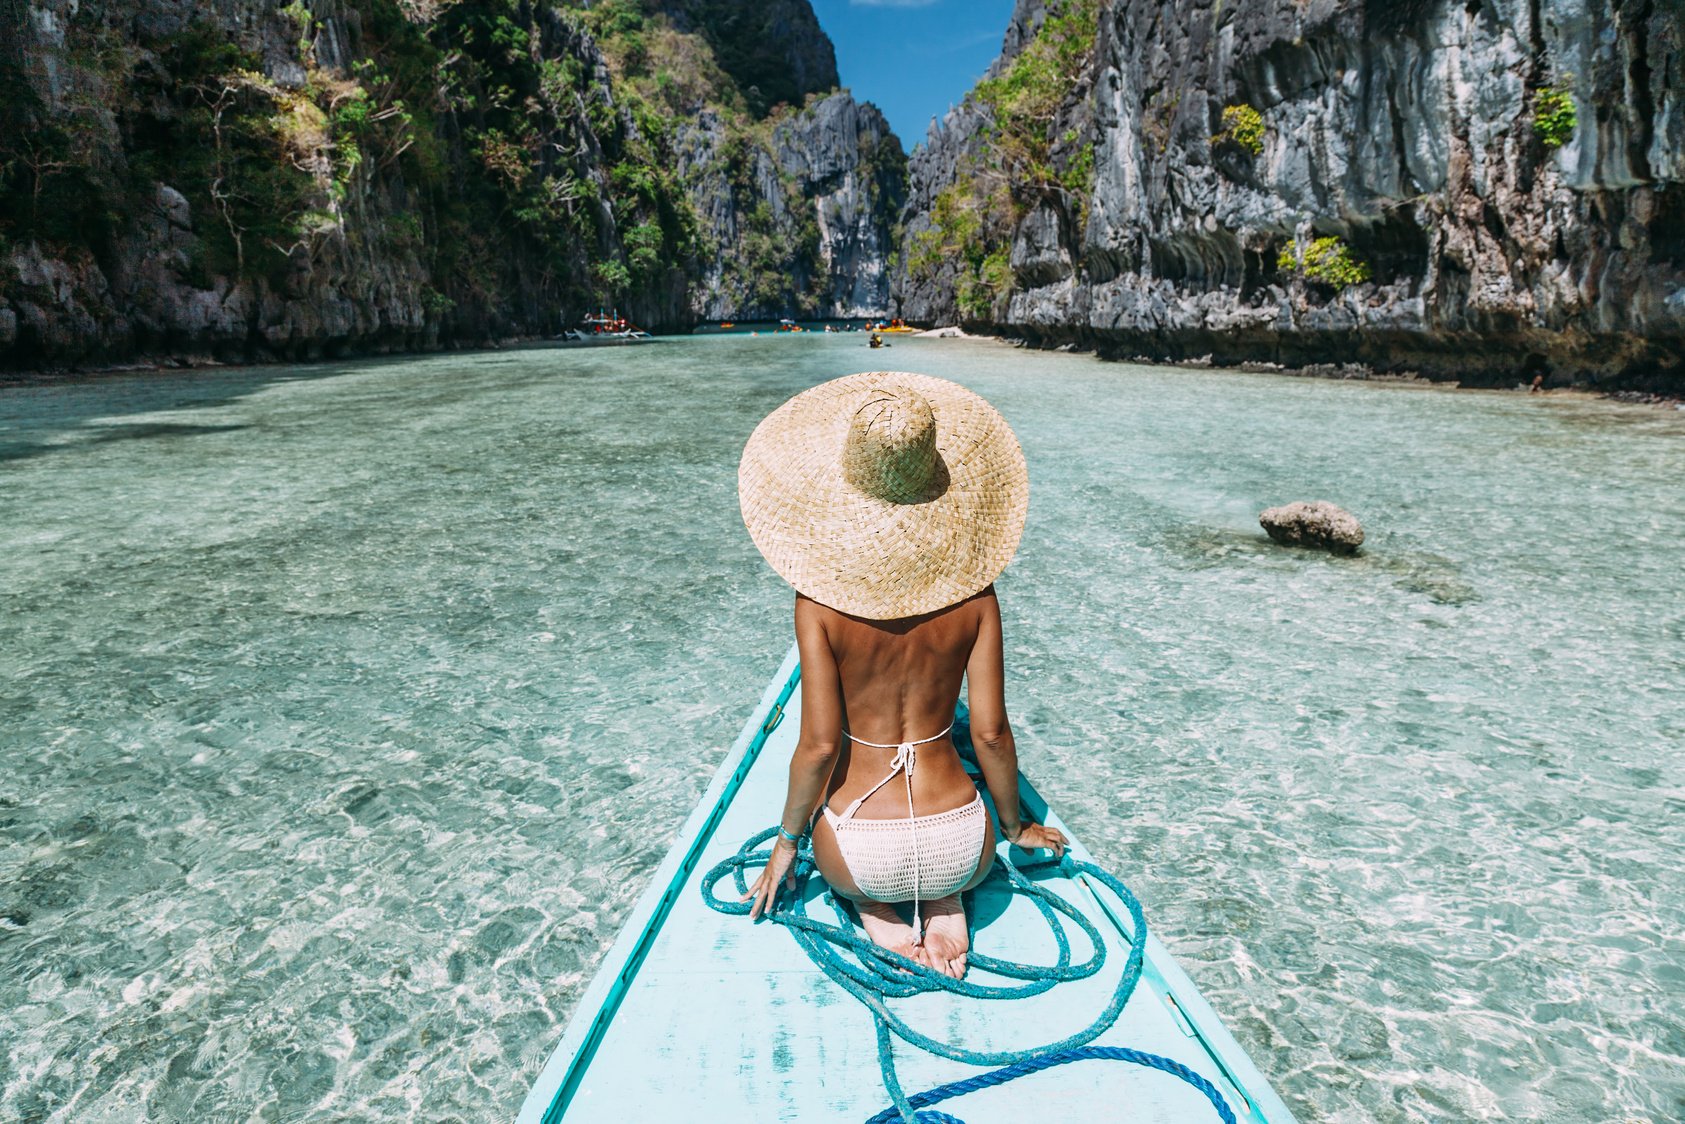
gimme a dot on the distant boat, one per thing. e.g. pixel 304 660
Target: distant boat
pixel 728 324
pixel 604 330
pixel 788 325
pixel 699 1016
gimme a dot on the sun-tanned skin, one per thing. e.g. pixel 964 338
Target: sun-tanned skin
pixel 889 681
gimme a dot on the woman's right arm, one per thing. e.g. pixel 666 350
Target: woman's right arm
pixel 991 733
pixel 815 757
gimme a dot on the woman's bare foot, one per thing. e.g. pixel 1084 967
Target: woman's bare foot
pixel 886 928
pixel 945 940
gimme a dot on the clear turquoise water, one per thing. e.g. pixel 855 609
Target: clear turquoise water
pixel 344 711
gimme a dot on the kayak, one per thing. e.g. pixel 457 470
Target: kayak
pixel 699 1015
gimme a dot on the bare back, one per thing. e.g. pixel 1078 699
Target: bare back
pixel 895 681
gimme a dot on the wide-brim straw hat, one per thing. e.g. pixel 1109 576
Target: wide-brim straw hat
pixel 885 494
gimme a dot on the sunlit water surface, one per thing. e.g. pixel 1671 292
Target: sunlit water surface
pixel 344 712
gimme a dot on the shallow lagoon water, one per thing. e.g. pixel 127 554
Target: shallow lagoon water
pixel 345 710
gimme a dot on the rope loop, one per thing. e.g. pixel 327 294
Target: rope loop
pixel 873 974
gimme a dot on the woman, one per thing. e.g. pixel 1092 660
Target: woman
pixel 891 502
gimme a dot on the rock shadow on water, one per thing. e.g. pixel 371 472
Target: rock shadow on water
pixel 55 409
pixel 108 435
pixel 1435 576
pixel 141 431
pixel 1199 547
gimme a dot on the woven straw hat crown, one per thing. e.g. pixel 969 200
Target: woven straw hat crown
pixel 885 494
pixel 891 452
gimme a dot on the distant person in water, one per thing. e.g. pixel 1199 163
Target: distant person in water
pixel 891 502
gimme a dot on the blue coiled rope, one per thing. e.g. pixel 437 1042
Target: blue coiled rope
pixel 873 974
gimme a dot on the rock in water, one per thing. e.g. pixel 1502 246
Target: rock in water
pixel 1318 524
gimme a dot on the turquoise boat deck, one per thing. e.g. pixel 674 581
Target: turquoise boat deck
pixel 700 1016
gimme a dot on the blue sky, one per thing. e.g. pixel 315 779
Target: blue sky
pixel 913 58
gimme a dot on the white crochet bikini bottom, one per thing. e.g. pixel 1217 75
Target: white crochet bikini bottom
pixel 918 859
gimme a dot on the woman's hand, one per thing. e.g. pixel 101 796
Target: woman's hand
pixel 1033 835
pixel 781 867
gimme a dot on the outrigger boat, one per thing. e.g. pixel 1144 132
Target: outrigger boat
pixel 699 1015
pixel 603 330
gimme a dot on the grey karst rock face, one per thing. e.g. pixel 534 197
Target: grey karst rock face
pixel 928 296
pixel 723 208
pixel 804 224
pixel 952 146
pixel 849 165
pixel 173 209
pixel 1407 131
pixel 1020 29
pixel 1039 255
pixel 1317 524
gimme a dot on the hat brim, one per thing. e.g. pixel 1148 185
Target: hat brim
pixel 870 557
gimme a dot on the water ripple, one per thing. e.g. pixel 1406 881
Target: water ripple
pixel 346 710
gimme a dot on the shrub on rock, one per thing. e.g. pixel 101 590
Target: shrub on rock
pixel 1327 261
pixel 1243 125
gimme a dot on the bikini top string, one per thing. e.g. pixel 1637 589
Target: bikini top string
pixel 906 754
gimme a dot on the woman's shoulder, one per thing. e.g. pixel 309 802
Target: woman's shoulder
pixel 981 605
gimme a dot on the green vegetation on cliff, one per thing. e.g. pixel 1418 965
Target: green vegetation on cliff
pixel 481 127
pixel 48 187
pixel 1244 126
pixel 1326 261
pixel 1554 116
pixel 1026 100
pixel 1027 161
pixel 772 51
pixel 771 258
pixel 967 231
pixel 508 157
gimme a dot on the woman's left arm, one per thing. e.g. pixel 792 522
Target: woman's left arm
pixel 816 751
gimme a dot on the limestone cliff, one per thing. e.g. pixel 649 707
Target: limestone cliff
pixel 1474 189
pixel 257 180
pixel 802 222
pixel 773 49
